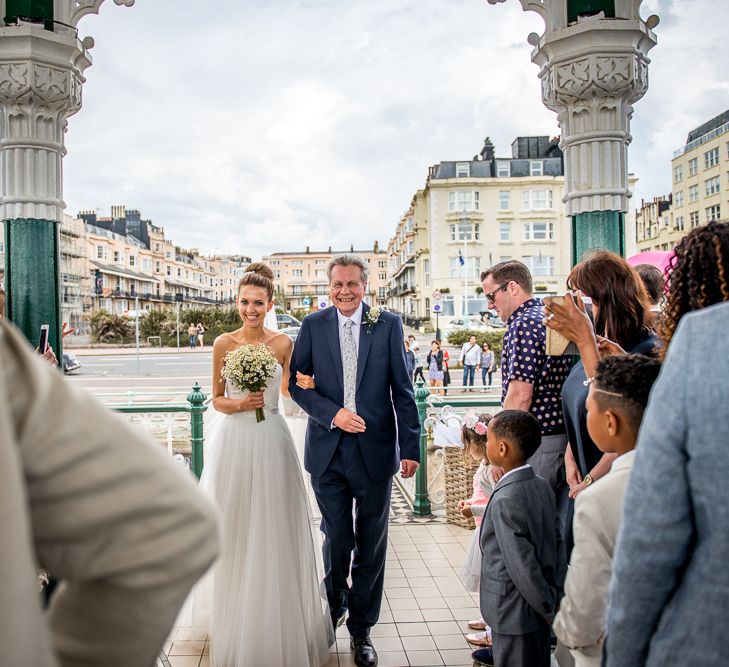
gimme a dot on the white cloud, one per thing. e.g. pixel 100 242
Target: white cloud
pixel 259 126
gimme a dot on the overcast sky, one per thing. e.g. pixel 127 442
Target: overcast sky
pixel 256 126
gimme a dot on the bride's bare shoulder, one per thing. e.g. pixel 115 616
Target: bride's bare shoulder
pixel 225 341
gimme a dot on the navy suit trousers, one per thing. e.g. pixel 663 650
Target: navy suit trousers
pixel 355 514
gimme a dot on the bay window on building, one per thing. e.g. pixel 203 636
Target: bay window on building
pixel 463 200
pixel 464 231
pixel 471 268
pixel 536 200
pixel 540 265
pixel 539 231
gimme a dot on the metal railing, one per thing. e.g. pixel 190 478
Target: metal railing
pixel 196 405
pixel 425 401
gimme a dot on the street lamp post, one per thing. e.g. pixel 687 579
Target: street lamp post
pixel 42 64
pixel 593 68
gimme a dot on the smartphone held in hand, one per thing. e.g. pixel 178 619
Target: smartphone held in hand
pixel 43 340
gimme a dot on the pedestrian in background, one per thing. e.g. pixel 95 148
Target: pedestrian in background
pixel 192 334
pixel 409 360
pixel 487 364
pixel 200 330
pixel 435 367
pixel 418 359
pixel 470 358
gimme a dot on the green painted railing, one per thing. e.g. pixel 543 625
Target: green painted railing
pixel 195 407
pixel 421 499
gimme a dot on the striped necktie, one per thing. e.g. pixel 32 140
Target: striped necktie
pixel 349 349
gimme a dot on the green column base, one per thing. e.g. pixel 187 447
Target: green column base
pixel 597 230
pixel 32 284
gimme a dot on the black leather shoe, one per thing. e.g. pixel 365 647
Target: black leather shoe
pixel 484 656
pixel 364 653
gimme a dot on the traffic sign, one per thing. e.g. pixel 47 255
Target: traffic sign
pixel 437 295
pixel 436 308
pixel 322 305
pixel 306 301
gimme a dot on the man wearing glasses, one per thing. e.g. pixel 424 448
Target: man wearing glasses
pixel 531 380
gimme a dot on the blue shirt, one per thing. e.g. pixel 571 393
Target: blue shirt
pixel 524 358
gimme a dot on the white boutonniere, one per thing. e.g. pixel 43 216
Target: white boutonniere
pixel 373 317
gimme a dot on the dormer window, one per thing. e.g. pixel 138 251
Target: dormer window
pixel 463 169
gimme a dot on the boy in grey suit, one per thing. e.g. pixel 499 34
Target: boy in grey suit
pixel 523 559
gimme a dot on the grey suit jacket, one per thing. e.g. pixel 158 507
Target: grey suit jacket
pixel 521 545
pixel 100 505
pixel 670 587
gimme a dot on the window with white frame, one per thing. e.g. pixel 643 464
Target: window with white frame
pixel 536 200
pixel 505 258
pixel 319 262
pixel 504 231
pixel 409 225
pixel 693 193
pixel 693 166
pixel 536 168
pixel 447 305
pixel 463 200
pixel 678 173
pixel 274 262
pixel 503 168
pixel 320 273
pixel 381 276
pixel 297 273
pixel 382 292
pixel 296 262
pixel 694 219
pixel 678 198
pixel 712 186
pixel 540 265
pixel 504 200
pixel 713 213
pixel 132 260
pixel 679 223
pixel 382 264
pixel 426 272
pixel 539 231
pixel 711 158
pixel 463 169
pixel 297 289
pixel 411 248
pixel 464 231
pixel 471 268
pixel 101 252
pixel 118 257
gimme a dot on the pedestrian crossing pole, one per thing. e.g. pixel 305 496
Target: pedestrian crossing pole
pixel 593 67
pixel 42 64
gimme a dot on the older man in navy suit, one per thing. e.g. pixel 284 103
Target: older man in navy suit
pixel 363 423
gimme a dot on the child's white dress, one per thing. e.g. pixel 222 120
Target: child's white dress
pixel 483 486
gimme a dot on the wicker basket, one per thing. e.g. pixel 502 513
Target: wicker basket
pixel 458 485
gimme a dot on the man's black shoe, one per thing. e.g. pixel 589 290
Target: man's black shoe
pixel 364 653
pixel 484 656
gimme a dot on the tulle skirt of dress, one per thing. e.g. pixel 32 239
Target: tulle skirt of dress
pixel 262 602
pixel 471 570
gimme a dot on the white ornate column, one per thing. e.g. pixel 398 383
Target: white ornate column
pixel 592 71
pixel 42 64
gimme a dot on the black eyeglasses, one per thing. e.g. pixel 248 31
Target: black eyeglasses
pixel 491 296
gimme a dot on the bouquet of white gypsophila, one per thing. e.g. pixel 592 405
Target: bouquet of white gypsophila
pixel 250 367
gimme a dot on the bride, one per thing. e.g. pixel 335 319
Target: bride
pixel 265 605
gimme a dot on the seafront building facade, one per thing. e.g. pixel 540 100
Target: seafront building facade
pixel 472 214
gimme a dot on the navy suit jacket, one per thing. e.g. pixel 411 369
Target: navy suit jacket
pixel 384 393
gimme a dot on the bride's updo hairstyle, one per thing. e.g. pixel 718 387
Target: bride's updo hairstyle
pixel 258 275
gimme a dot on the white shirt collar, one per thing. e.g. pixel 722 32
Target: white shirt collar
pixel 356 317
pixel 526 465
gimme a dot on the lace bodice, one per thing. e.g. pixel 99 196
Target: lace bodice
pixel 270 394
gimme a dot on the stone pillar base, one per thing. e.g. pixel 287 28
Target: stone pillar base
pixel 32 282
pixel 597 230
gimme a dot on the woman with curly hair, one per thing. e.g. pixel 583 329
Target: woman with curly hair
pixel 698 275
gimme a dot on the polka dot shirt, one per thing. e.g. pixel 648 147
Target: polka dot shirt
pixel 524 358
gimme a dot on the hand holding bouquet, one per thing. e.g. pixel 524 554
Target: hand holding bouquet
pixel 250 367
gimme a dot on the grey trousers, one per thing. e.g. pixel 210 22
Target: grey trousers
pixel 548 461
pixel 531 650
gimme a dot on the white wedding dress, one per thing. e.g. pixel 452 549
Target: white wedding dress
pixel 262 603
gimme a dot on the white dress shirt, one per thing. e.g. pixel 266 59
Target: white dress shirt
pixel 511 472
pixel 356 318
pixel 471 354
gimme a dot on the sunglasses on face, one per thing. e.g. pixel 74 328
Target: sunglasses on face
pixel 491 296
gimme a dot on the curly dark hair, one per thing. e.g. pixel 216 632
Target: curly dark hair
pixel 520 428
pixel 630 375
pixel 472 440
pixel 698 275
pixel 623 307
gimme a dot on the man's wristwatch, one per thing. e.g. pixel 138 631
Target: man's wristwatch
pixel 587 480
